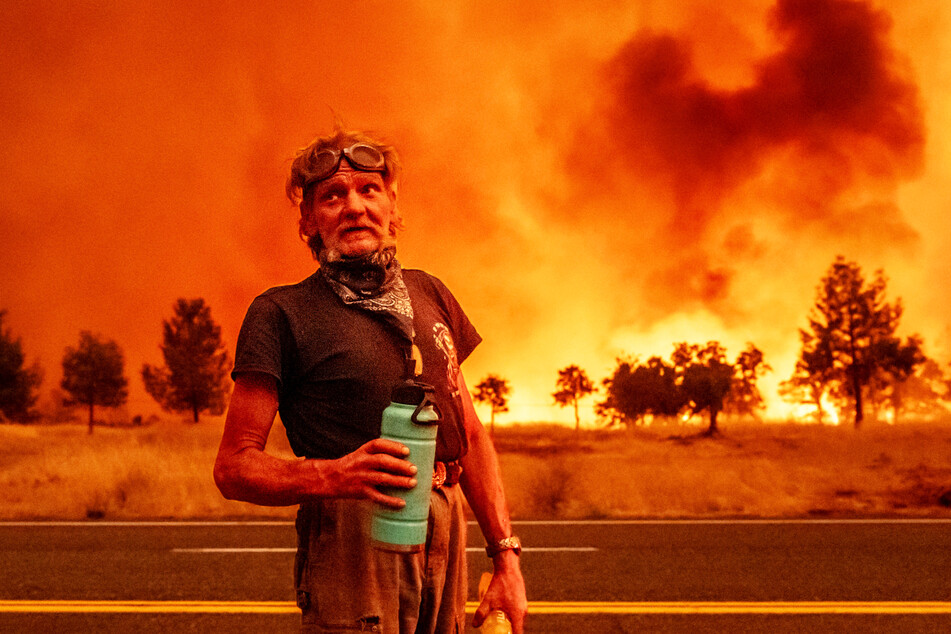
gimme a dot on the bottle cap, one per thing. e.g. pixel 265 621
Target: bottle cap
pixel 411 393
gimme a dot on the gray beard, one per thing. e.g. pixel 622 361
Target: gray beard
pixel 327 255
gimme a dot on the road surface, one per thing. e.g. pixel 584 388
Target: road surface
pixel 689 576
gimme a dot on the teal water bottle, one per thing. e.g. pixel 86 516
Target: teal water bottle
pixel 411 418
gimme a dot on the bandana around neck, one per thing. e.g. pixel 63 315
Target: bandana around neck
pixel 372 282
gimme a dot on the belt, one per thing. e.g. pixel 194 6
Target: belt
pixel 446 473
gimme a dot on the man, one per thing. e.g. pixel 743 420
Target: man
pixel 326 353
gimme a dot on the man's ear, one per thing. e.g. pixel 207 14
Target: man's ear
pixel 307 223
pixel 396 221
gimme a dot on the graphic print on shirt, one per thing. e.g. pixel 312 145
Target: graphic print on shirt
pixel 444 342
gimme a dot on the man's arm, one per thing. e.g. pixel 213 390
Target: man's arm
pixel 243 471
pixel 481 482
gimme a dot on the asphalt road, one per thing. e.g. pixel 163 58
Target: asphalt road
pixel 582 577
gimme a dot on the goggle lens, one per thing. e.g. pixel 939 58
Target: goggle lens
pixel 361 157
pixel 366 157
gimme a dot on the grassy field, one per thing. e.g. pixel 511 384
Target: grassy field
pixel 163 470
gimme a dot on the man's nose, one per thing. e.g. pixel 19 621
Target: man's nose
pixel 353 204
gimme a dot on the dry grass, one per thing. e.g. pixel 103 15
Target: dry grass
pixel 164 470
pixel 759 471
pixel 158 471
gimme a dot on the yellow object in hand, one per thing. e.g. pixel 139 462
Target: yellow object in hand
pixel 496 622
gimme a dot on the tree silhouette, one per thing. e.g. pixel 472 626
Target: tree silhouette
pixel 634 391
pixel 493 390
pixel 850 342
pixel 813 374
pixel 697 379
pixel 745 398
pixel 93 374
pixel 194 377
pixel 17 383
pixel 572 385
pixel 707 379
pixel 897 363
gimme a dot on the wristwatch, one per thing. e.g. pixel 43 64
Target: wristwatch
pixel 506 543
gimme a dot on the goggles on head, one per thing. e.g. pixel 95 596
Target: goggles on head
pixel 361 156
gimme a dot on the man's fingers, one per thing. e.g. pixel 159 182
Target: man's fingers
pixel 386 500
pixel 481 612
pixel 385 446
pixel 389 464
pixel 379 464
pixel 376 456
pixel 383 479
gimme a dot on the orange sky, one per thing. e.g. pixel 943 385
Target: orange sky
pixel 591 179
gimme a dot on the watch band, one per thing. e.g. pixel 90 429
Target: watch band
pixel 506 543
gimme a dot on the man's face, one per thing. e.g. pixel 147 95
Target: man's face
pixel 352 211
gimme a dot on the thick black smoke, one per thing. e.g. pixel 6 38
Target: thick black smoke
pixel 830 123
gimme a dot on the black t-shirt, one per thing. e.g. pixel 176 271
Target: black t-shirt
pixel 336 365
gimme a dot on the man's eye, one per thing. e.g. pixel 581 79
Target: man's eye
pixel 371 187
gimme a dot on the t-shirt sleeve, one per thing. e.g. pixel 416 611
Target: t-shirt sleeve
pixel 259 347
pixel 464 334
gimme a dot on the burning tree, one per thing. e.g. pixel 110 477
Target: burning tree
pixel 93 374
pixel 812 375
pixel 17 383
pixel 196 363
pixel 572 385
pixel 924 394
pixel 493 390
pixel 850 350
pixel 745 398
pixel 899 361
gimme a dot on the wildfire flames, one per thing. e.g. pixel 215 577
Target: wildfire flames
pixel 591 181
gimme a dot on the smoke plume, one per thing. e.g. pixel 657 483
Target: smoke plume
pixel 589 180
pixel 812 147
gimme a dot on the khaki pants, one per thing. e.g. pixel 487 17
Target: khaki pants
pixel 345 585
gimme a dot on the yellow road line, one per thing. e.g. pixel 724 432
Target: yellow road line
pixel 534 607
pixel 222 607
pixel 741 607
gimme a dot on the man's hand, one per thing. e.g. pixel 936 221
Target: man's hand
pixel 244 471
pixel 361 474
pixel 506 593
